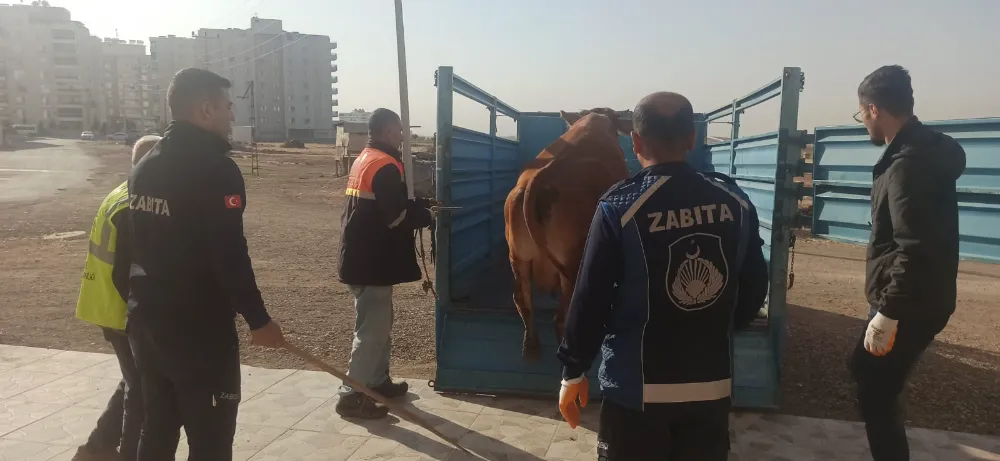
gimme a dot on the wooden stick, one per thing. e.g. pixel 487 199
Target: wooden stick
pixel 395 408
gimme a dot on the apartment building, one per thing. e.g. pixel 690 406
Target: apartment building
pixel 130 96
pixel 45 74
pixel 282 81
pixel 168 55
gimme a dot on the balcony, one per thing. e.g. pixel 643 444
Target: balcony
pixel 334 79
pixel 333 68
pixel 334 102
pixel 335 91
pixel 333 46
pixel 333 56
pixel 335 114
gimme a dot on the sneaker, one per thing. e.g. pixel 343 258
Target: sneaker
pixel 360 406
pixel 84 453
pixel 392 390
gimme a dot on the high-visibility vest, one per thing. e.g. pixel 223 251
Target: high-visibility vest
pixel 99 302
pixel 359 182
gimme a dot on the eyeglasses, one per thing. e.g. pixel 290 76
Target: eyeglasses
pixel 857 117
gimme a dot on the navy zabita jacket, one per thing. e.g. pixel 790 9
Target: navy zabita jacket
pixel 673 264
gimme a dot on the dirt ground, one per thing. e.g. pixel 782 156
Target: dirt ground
pixel 292 225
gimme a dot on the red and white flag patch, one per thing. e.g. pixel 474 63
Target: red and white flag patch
pixel 234 201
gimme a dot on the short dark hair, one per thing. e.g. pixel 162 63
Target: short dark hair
pixel 380 119
pixel 888 88
pixel 192 86
pixel 669 129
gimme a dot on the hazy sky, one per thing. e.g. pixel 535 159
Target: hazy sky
pixel 547 55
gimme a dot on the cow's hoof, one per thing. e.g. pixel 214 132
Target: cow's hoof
pixel 530 348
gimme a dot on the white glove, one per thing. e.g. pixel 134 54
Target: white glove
pixel 881 335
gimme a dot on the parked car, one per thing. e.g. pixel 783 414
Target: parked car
pixel 118 137
pixel 87 136
pixel 132 136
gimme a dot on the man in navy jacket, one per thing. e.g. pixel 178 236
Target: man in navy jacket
pixel 673 264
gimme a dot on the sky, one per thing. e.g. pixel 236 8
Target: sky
pixel 550 55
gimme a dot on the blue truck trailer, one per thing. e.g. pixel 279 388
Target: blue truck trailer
pixel 477 329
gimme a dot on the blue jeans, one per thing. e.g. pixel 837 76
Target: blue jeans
pixel 369 364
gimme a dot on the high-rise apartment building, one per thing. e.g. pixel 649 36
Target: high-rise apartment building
pixel 282 81
pixel 46 76
pixel 168 55
pixel 130 97
pixel 54 74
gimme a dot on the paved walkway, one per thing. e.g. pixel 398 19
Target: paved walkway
pixel 49 401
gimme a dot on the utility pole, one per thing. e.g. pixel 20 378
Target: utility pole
pixel 404 100
pixel 254 159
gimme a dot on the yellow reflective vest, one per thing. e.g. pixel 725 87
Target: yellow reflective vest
pixel 99 302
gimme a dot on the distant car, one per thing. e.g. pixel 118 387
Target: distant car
pixel 132 136
pixel 118 137
pixel 87 136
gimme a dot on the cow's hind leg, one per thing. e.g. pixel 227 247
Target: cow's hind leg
pixel 565 294
pixel 522 300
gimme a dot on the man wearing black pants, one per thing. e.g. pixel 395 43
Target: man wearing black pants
pixel 673 264
pixel 191 274
pixel 912 253
pixel 103 291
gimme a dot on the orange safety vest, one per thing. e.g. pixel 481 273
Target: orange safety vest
pixel 359 182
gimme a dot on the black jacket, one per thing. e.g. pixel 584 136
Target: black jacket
pixel 913 250
pixel 190 268
pixel 376 241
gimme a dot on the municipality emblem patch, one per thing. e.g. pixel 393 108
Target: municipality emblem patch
pixel 697 271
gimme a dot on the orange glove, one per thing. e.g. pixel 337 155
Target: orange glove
pixel 570 391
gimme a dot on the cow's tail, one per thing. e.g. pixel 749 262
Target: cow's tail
pixel 538 202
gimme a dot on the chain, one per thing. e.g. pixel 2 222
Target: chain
pixel 791 270
pixel 427 285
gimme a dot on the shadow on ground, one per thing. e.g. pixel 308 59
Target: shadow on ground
pixel 421 440
pixel 821 342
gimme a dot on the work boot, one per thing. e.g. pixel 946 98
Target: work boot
pixel 358 405
pixel 392 390
pixel 85 453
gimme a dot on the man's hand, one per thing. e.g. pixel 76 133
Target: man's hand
pixel 268 336
pixel 881 335
pixel 424 202
pixel 573 389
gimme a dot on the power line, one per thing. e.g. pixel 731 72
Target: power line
pixel 269 52
pixel 279 35
pixel 252 34
pixel 231 11
pixel 247 61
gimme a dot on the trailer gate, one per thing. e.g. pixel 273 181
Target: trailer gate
pixel 478 332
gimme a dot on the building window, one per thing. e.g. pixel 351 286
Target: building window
pixel 70 112
pixel 293 120
pixel 62 34
pixel 307 121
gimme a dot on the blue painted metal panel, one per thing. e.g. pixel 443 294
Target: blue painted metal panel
pixel 763 166
pixel 843 158
pixel 478 332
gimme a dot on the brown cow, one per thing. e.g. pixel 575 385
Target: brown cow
pixel 548 212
